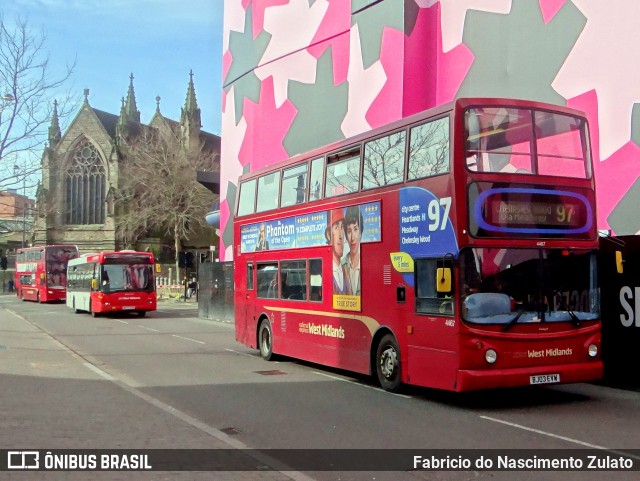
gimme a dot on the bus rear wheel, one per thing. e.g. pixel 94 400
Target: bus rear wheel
pixel 388 367
pixel 265 340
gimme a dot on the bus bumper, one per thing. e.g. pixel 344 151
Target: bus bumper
pixel 499 378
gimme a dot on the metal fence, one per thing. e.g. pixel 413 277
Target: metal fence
pixel 215 291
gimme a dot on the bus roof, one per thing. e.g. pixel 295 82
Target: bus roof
pixel 456 105
pixel 45 247
pixel 101 257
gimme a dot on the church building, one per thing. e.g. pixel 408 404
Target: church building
pixel 81 171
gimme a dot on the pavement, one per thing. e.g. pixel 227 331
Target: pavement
pixel 51 399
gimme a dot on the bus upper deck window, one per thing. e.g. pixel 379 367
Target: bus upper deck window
pixel 343 173
pixel 294 185
pixel 268 192
pixel 247 201
pixel 315 180
pixel 429 149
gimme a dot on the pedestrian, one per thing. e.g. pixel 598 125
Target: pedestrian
pixel 11 285
pixel 193 288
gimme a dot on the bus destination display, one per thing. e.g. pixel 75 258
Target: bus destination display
pixel 532 211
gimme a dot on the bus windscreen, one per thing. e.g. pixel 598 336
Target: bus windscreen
pixel 526 141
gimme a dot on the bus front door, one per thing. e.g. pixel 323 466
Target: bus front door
pixel 245 326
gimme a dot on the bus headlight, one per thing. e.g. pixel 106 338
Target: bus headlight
pixel 490 356
pixel 592 350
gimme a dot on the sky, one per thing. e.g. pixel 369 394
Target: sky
pixel 158 41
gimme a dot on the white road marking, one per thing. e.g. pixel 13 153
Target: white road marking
pixel 148 328
pixel 121 321
pixel 563 438
pixel 241 353
pixel 538 431
pixel 187 339
pixel 359 384
pixel 99 371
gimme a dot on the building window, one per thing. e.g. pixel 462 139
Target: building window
pixel 86 186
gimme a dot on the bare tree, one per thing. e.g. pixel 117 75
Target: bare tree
pixel 158 190
pixel 28 90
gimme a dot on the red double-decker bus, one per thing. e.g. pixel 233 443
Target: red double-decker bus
pixel 112 282
pixel 41 272
pixel 454 249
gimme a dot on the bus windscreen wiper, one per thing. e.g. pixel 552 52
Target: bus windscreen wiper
pixel 513 321
pixel 564 306
pixel 574 319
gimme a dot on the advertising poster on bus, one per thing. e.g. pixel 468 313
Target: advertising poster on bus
pixel 344 229
pixel 347 230
pixel 425 229
pixel 286 233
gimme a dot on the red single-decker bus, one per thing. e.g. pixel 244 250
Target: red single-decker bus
pixel 118 281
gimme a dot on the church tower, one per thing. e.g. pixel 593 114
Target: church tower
pixel 190 123
pixel 128 112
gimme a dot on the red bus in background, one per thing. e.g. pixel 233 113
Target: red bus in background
pixel 112 282
pixel 454 249
pixel 41 272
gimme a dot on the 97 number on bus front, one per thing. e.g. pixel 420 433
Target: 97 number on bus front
pixel 433 211
pixel 564 214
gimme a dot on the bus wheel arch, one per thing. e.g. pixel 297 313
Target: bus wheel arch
pixel 386 363
pixel 265 338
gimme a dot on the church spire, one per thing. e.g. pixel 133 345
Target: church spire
pixel 54 128
pixel 121 124
pixel 190 112
pixel 131 109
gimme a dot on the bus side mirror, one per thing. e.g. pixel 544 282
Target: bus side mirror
pixel 443 279
pixel 94 284
pixel 619 262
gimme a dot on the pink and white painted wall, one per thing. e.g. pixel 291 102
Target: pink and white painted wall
pixel 302 73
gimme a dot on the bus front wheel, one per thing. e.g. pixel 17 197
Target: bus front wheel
pixel 265 340
pixel 388 364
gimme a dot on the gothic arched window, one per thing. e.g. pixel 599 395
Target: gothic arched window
pixel 86 186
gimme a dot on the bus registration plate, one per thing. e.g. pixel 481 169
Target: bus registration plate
pixel 544 379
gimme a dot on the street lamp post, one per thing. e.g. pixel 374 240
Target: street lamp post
pixel 16 171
